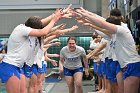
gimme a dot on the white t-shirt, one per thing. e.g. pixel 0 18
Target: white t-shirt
pixel 124 47
pixel 18 46
pixel 72 60
pixel 34 43
pixel 40 58
pixel 106 39
pixel 93 44
pixel 38 54
pixel 105 50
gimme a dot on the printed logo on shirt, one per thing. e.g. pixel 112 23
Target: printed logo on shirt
pixel 72 59
pixel 112 44
pixel 30 43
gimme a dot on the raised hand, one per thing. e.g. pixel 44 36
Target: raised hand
pixel 67 12
pixel 61 26
pixel 57 15
pixel 61 32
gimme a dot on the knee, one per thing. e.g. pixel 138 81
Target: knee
pixel 78 84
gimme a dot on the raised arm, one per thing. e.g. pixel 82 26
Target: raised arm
pixel 98 21
pixel 54 62
pixel 47 40
pixel 47 29
pixel 97 50
pixel 52 44
pixel 88 23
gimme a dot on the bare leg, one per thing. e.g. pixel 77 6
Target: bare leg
pixel 108 86
pixel 100 82
pixel 120 82
pixel 13 85
pixel 115 88
pixel 105 91
pixel 27 84
pixel 33 84
pixel 70 83
pixel 23 84
pixel 131 84
pixel 40 79
pixel 103 85
pixel 78 82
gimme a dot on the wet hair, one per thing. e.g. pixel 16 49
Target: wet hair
pixel 71 38
pixel 35 22
pixel 114 20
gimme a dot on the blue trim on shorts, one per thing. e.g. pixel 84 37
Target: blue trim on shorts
pixel 71 72
pixel 8 70
pixel 132 69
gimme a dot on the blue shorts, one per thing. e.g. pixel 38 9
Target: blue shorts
pixel 71 72
pixel 115 69
pixel 35 69
pixel 95 66
pixel 43 69
pixel 27 71
pixel 101 69
pixel 8 70
pixel 108 69
pixel 132 69
pixel 22 70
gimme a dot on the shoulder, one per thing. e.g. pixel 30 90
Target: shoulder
pixel 122 30
pixel 80 48
pixel 124 25
pixel 22 30
pixel 22 26
pixel 64 48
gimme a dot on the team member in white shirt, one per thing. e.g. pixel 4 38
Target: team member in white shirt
pixel 19 50
pixel 124 47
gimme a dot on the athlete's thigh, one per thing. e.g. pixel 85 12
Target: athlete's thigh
pixel 33 80
pixel 13 85
pixel 22 83
pixel 78 77
pixel 131 84
pixel 69 80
